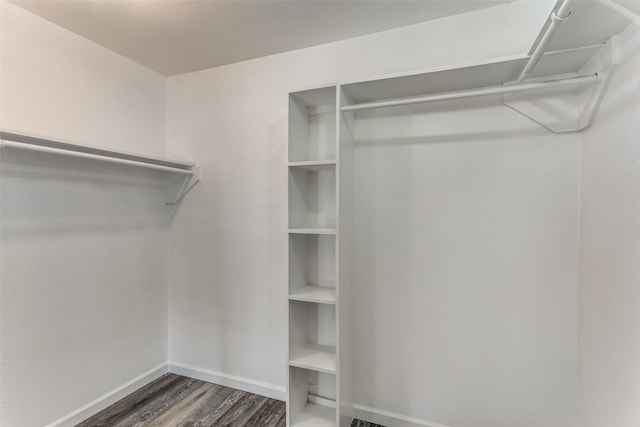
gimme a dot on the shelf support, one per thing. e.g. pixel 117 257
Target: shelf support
pixel 571 111
pixel 192 179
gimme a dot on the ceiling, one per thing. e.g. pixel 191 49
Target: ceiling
pixel 178 36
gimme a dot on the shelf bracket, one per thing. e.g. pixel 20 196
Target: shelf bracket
pixel 575 108
pixel 607 61
pixel 189 182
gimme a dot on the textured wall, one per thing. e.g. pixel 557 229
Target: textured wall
pixel 83 267
pixel 609 341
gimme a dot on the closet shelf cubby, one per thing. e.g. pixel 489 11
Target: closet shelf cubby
pixel 316 357
pixel 314 165
pixel 327 231
pixel 316 294
pixel 312 169
pixel 313 415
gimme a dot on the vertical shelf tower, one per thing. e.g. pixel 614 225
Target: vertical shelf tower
pixel 319 342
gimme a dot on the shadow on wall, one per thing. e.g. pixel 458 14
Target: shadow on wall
pixel 48 194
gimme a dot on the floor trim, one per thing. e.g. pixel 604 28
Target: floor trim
pixel 240 383
pixel 386 418
pixel 109 398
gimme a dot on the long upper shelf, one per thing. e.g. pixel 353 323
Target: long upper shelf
pixel 470 76
pixel 560 56
pixel 32 143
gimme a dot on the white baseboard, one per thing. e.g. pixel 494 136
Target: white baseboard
pixel 240 383
pixel 109 398
pixel 387 418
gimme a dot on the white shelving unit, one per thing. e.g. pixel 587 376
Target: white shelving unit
pixel 313 258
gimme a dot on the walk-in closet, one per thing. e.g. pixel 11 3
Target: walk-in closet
pixel 320 214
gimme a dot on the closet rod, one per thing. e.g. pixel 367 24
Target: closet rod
pixel 554 21
pixel 84 155
pixel 41 149
pixel 483 91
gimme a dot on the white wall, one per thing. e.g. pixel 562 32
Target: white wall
pixel 83 267
pixel 58 84
pixel 609 275
pixel 465 264
pixel 228 241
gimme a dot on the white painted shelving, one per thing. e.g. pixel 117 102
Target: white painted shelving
pixel 314 166
pixel 318 294
pixel 313 257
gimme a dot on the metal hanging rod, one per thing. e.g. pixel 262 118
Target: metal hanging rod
pixel 471 93
pixel 24 142
pixel 553 22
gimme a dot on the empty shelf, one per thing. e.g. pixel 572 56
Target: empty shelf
pixel 314 165
pixel 317 294
pixel 36 143
pixel 465 77
pixel 313 415
pixel 321 358
pixel 312 230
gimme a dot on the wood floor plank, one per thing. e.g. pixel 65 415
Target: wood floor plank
pixel 271 414
pixel 208 410
pixel 360 423
pixel 136 401
pixel 180 412
pixel 282 421
pixel 212 417
pixel 161 403
pixel 239 414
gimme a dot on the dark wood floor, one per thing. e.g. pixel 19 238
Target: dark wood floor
pixel 177 401
pixel 360 423
pixel 173 400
